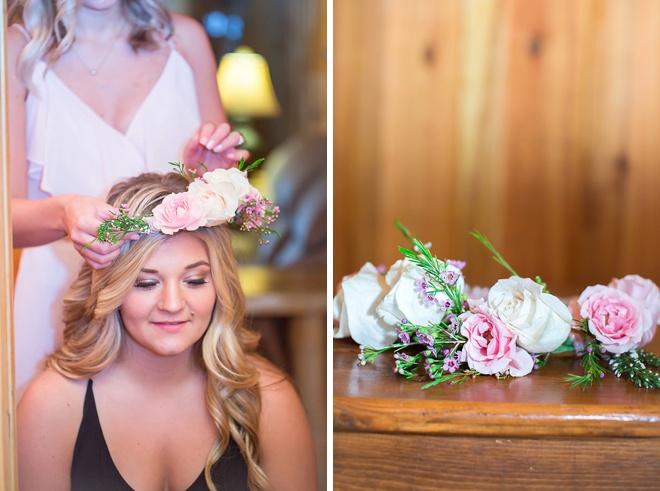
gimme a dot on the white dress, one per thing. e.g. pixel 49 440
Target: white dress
pixel 70 149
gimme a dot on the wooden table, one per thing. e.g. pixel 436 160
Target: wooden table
pixel 522 433
pixel 297 296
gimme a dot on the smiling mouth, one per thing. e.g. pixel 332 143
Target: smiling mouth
pixel 170 326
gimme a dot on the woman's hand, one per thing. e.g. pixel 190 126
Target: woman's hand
pixel 214 146
pixel 82 217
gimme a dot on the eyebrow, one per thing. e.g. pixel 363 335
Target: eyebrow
pixel 190 266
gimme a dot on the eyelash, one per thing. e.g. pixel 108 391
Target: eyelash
pixel 144 285
pixel 148 285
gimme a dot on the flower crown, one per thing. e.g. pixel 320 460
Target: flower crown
pixel 440 328
pixel 218 197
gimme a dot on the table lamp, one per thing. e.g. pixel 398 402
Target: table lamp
pixel 247 92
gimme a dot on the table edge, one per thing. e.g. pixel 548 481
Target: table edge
pixel 351 414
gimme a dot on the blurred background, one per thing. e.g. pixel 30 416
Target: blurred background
pixel 535 122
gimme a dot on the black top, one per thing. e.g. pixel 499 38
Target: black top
pixel 93 469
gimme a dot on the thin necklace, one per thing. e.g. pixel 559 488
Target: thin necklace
pixel 94 71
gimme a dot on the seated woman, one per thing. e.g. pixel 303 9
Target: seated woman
pixel 158 385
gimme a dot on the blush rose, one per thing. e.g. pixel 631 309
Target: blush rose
pixel 647 294
pixel 176 212
pixel 614 318
pixel 491 348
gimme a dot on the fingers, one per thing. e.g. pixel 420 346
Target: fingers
pixel 233 139
pixel 101 254
pixel 237 155
pixel 215 146
pixel 99 261
pixel 214 137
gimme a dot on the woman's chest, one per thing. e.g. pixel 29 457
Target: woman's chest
pixel 119 89
pixel 159 447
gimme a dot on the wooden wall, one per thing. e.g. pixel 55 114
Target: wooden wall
pixel 535 122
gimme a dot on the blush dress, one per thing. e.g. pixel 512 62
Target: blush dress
pixel 70 149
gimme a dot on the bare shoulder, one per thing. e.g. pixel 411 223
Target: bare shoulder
pixel 16 41
pixel 269 374
pixel 50 390
pixel 51 405
pixel 189 34
pixel 48 417
pixel 287 450
pixel 16 38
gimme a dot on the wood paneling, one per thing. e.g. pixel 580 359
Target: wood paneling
pixel 534 122
pixel 419 462
pixel 8 451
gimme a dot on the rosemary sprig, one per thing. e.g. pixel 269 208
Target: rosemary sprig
pixel 190 175
pixel 406 233
pixel 632 364
pixel 593 372
pixel 496 255
pixel 453 378
pixel 648 358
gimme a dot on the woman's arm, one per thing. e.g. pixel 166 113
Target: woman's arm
pixel 49 415
pixel 287 453
pixel 215 143
pixel 38 222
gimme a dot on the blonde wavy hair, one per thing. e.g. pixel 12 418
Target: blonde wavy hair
pixel 51 25
pixel 93 331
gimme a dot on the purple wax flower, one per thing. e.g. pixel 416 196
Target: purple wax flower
pixel 421 285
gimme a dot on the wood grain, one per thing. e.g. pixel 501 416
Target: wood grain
pixel 8 451
pixel 524 433
pixel 534 122
pixel 419 462
pixel 531 432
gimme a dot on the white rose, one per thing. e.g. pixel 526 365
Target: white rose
pixel 234 176
pixel 541 321
pixel 405 301
pixel 354 307
pixel 219 200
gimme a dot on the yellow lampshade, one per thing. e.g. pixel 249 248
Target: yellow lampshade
pixel 245 85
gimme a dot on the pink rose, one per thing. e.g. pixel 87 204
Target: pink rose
pixel 614 318
pixel 491 347
pixel 647 294
pixel 181 211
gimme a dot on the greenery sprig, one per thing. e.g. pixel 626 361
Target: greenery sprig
pixel 115 229
pixel 496 255
pixel 634 364
pixel 251 167
pixel 593 371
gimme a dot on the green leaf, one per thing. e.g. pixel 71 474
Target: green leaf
pixel 251 167
pixel 404 231
pixel 496 255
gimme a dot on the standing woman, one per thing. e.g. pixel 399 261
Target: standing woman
pixel 157 385
pixel 99 90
